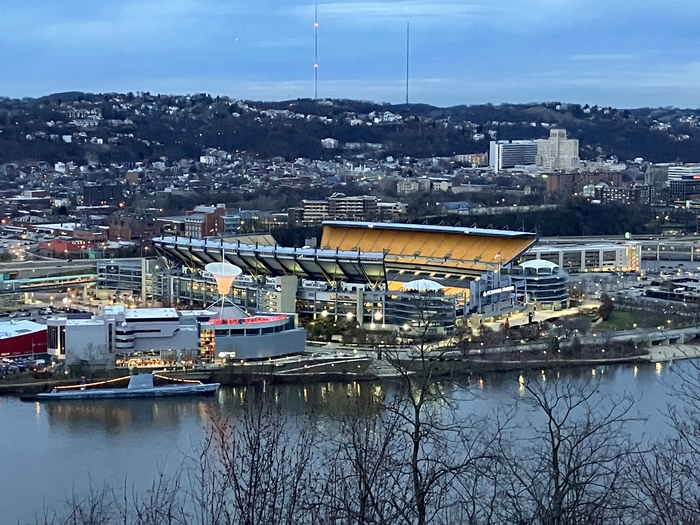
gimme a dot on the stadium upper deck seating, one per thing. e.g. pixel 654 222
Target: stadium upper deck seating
pixel 461 250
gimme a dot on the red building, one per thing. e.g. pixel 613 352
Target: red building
pixel 22 338
pixel 66 245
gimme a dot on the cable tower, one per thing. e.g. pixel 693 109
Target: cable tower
pixel 316 50
pixel 408 49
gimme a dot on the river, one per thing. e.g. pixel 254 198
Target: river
pixel 50 450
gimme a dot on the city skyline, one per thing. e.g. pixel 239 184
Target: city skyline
pixel 623 55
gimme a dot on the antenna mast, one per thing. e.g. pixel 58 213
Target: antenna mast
pixel 408 41
pixel 316 50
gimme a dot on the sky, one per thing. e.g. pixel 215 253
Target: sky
pixel 620 53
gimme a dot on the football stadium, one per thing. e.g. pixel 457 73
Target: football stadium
pixel 378 274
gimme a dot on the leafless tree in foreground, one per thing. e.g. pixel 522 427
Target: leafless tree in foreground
pixel 362 463
pixel 667 478
pixel 567 467
pixel 97 507
pixel 160 504
pixel 250 470
pixel 255 470
pixel 445 450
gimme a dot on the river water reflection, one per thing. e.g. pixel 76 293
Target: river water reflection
pixel 48 450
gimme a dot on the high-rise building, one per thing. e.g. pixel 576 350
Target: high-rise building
pixel 657 174
pixel 98 194
pixel 557 152
pixel 573 183
pixel 204 221
pixel 353 208
pixel 340 207
pixel 684 181
pixel 686 172
pixel 511 153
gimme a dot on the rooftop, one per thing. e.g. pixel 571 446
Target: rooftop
pixel 18 328
pixel 429 228
pixel 141 313
pixel 539 264
pixel 57 226
pixel 156 313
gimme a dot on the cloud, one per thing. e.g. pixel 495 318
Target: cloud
pixel 464 51
pixel 120 26
pixel 405 9
pixel 279 43
pixel 603 57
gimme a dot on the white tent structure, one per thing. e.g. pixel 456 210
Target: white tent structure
pixel 422 285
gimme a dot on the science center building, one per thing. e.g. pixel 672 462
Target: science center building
pixel 144 337
pixel 384 275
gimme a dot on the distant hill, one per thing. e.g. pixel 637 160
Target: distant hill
pixel 145 127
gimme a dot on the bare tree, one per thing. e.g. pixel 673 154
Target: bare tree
pixel 441 446
pixel 362 468
pixel 161 504
pixel 574 325
pixel 665 483
pixel 567 468
pixel 667 478
pixel 97 507
pixel 264 464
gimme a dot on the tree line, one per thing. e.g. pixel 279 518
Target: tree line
pixel 425 131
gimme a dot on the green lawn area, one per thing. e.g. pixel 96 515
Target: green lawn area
pixel 627 319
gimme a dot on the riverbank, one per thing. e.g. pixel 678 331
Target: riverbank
pixel 31 385
pixel 365 366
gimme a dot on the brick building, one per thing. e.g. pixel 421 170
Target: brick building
pixel 573 183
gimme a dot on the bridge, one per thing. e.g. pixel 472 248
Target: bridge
pixel 40 284
pixel 653 247
pixel 47 275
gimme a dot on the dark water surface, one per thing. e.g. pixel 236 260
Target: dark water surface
pixel 49 450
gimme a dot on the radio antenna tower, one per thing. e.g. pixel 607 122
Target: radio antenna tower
pixel 408 49
pixel 316 50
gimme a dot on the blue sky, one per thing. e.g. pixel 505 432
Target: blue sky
pixel 608 52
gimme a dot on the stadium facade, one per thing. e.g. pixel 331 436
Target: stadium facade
pixel 372 273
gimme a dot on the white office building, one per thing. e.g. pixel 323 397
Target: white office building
pixel 589 257
pixel 157 337
pixel 688 171
pixel 511 153
pixel 557 152
pixel 118 330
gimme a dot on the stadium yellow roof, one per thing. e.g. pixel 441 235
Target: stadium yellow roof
pixel 459 251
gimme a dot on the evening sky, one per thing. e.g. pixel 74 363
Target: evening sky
pixel 609 52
